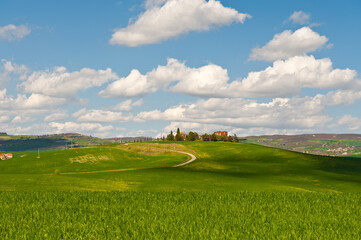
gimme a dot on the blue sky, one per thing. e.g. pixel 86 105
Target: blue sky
pixel 130 68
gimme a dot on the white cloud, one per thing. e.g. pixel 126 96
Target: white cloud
pixel 300 17
pixel 288 77
pixel 3 94
pixel 154 3
pixel 350 122
pixel 174 18
pixel 285 113
pixel 127 105
pixel 22 119
pixel 56 117
pixel 141 133
pixel 288 44
pixel 340 97
pixel 85 128
pixel 60 83
pixel 34 129
pixel 97 115
pixel 11 32
pixel 4 118
pixel 9 68
pixel 284 78
pixel 134 85
pixel 138 103
pixel 34 101
pixel 203 81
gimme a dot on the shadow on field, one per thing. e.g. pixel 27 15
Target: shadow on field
pixel 31 144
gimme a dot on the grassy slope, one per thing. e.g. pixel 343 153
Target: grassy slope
pixel 220 166
pixel 27 172
pixel 199 201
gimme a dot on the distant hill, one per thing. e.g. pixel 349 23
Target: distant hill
pixel 47 142
pixel 130 139
pixel 321 144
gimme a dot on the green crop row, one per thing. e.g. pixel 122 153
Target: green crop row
pixel 179 215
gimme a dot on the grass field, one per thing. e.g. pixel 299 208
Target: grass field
pixel 179 215
pixel 220 166
pixel 232 191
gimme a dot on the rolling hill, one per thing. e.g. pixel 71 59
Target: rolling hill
pixel 220 166
pixel 134 191
pixel 320 144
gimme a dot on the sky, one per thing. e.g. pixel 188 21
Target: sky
pixel 146 67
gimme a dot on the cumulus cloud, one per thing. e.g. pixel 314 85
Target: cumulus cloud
pixel 300 17
pixel 173 18
pixel 35 129
pixel 12 32
pixel 127 105
pixel 284 78
pixel 350 122
pixel 56 117
pixel 97 115
pixel 9 68
pixel 85 128
pixel 34 101
pixel 4 118
pixel 250 117
pixel 3 93
pixel 286 113
pixel 22 119
pixel 60 83
pixel 288 44
pixel 134 85
pixel 203 81
pixel 288 77
pixel 340 97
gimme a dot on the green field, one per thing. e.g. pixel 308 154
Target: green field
pixel 232 191
pixel 179 215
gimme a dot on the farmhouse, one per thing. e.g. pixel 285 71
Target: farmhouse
pixel 221 133
pixel 5 156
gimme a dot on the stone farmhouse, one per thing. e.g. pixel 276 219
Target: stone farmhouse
pixel 5 156
pixel 221 133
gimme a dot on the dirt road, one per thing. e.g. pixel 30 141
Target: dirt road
pixel 193 158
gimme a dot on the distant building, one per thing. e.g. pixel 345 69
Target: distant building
pixel 5 156
pixel 221 133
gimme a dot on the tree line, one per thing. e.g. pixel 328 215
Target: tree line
pixel 193 136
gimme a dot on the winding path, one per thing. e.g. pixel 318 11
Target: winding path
pixel 193 158
pixel 189 161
